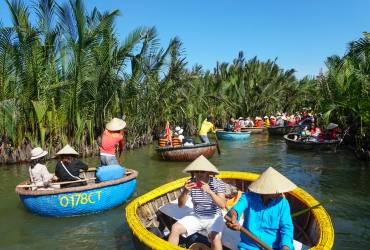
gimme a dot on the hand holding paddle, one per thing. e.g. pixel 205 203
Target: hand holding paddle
pixel 246 232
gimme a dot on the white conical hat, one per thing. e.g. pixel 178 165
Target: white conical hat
pixel 67 150
pixel 115 124
pixel 271 182
pixel 201 164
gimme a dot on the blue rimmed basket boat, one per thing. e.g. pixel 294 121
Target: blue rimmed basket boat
pixel 186 153
pixel 233 136
pixel 82 200
pixel 313 229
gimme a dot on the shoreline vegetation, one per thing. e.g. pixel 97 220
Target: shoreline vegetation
pixel 64 74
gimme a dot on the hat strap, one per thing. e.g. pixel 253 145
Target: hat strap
pixel 39 154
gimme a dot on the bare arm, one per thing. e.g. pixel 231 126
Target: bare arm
pixel 184 195
pixel 219 198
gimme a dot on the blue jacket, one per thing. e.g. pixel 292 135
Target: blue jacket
pixel 271 224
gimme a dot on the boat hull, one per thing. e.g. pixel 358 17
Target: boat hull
pixel 253 130
pixel 186 153
pixel 310 145
pixel 233 136
pixel 83 200
pixel 283 130
pixel 313 227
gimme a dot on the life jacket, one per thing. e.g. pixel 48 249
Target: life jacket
pixel 176 142
pixel 162 142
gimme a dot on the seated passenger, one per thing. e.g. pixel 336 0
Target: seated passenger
pixel 230 125
pixel 280 122
pixel 272 121
pixel 266 122
pixel 208 197
pixel 305 134
pixel 39 174
pixel 248 122
pixel 315 132
pixel 258 122
pixel 266 212
pixel 236 126
pixel 332 132
pixel 68 169
pixel 241 122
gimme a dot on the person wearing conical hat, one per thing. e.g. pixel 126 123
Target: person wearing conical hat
pixel 266 121
pixel 332 132
pixel 110 138
pixel 68 169
pixel 208 197
pixel 39 174
pixel 266 212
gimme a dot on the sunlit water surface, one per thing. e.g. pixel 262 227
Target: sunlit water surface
pixel 325 175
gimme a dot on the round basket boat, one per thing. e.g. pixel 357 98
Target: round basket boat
pixel 313 229
pixel 82 200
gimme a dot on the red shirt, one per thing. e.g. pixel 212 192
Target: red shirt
pixel 273 123
pixel 109 141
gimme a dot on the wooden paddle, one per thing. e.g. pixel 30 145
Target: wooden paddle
pixel 218 146
pixel 55 183
pixel 250 235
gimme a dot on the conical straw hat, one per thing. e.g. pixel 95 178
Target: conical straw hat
pixel 271 182
pixel 331 126
pixel 201 164
pixel 67 150
pixel 115 124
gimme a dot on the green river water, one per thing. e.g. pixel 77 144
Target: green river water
pixel 325 175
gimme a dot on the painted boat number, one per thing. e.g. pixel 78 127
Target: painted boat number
pixel 77 199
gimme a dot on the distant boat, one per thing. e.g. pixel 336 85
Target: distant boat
pixel 187 152
pixel 283 130
pixel 156 211
pixel 310 145
pixel 234 136
pixel 82 200
pixel 253 130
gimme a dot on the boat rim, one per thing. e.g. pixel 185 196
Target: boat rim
pixel 325 241
pixel 21 191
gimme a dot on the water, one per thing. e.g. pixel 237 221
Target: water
pixel 325 175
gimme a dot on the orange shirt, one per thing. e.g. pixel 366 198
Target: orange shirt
pixel 109 141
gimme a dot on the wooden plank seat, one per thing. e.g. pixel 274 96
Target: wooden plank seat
pixel 230 238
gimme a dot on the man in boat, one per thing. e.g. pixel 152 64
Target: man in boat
pixel 208 197
pixel 230 126
pixel 68 169
pixel 266 212
pixel 207 126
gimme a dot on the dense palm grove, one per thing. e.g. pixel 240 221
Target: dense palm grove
pixel 63 77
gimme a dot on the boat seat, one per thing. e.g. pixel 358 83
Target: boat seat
pixel 230 238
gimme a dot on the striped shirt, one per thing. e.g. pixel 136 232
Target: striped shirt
pixel 203 202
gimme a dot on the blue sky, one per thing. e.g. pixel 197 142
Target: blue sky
pixel 300 33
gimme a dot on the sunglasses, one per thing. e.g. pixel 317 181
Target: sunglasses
pixel 199 172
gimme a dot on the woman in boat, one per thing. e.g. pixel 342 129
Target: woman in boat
pixel 68 169
pixel 315 132
pixel 208 197
pixel 266 121
pixel 39 173
pixel 110 138
pixel 266 212
pixel 248 122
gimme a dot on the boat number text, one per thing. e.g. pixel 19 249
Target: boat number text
pixel 77 199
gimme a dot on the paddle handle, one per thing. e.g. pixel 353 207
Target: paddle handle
pixel 250 235
pixel 218 145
